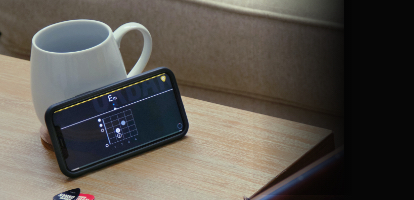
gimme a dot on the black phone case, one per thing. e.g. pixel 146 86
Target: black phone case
pixel 57 146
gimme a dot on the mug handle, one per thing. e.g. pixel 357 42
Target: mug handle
pixel 146 51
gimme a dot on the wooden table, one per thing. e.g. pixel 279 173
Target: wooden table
pixel 227 153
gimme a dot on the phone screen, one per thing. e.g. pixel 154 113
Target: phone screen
pixel 117 121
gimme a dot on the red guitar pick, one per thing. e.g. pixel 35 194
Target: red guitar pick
pixel 85 197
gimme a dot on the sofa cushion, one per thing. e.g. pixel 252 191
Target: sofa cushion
pixel 289 52
pixel 320 11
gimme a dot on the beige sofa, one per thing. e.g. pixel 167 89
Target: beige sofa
pixel 281 58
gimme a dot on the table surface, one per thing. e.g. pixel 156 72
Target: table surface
pixel 227 153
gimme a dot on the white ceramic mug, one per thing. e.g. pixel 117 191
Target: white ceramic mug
pixel 76 56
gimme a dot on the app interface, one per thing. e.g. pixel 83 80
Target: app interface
pixel 118 121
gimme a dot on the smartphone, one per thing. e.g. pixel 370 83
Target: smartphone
pixel 117 121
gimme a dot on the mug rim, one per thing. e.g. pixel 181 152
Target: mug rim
pixel 71 21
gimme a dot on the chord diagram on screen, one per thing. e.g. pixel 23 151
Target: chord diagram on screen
pixel 119 126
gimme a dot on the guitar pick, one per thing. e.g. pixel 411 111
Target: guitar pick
pixel 68 195
pixel 85 197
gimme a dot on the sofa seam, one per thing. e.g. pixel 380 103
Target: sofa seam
pixel 268 14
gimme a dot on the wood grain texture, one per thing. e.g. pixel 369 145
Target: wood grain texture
pixel 226 154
